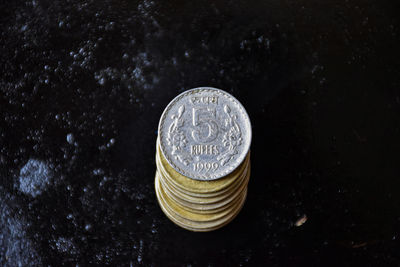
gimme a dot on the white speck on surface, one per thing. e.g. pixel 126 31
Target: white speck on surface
pixel 98 172
pixel 70 138
pixel 102 81
pixel 111 142
pixel 88 227
pixel 34 177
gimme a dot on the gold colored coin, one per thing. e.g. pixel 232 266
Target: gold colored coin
pixel 195 196
pixel 197 226
pixel 181 199
pixel 191 216
pixel 202 198
pixel 206 208
pixel 197 186
pixel 202 228
pixel 200 205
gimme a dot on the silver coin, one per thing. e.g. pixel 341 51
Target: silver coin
pixel 205 133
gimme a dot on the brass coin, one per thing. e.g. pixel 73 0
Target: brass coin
pixel 191 216
pixel 186 215
pixel 203 229
pixel 197 186
pixel 204 206
pixel 204 188
pixel 204 209
pixel 196 226
pixel 200 197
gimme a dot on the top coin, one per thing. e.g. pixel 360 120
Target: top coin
pixel 205 133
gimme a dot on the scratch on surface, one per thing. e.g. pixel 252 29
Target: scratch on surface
pixel 359 245
pixel 359 138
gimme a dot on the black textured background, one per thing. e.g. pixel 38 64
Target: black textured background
pixel 83 84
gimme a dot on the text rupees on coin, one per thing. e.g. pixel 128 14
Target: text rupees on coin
pixel 205 133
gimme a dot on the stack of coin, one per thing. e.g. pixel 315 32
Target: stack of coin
pixel 203 159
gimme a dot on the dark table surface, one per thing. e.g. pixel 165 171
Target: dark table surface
pixel 83 85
